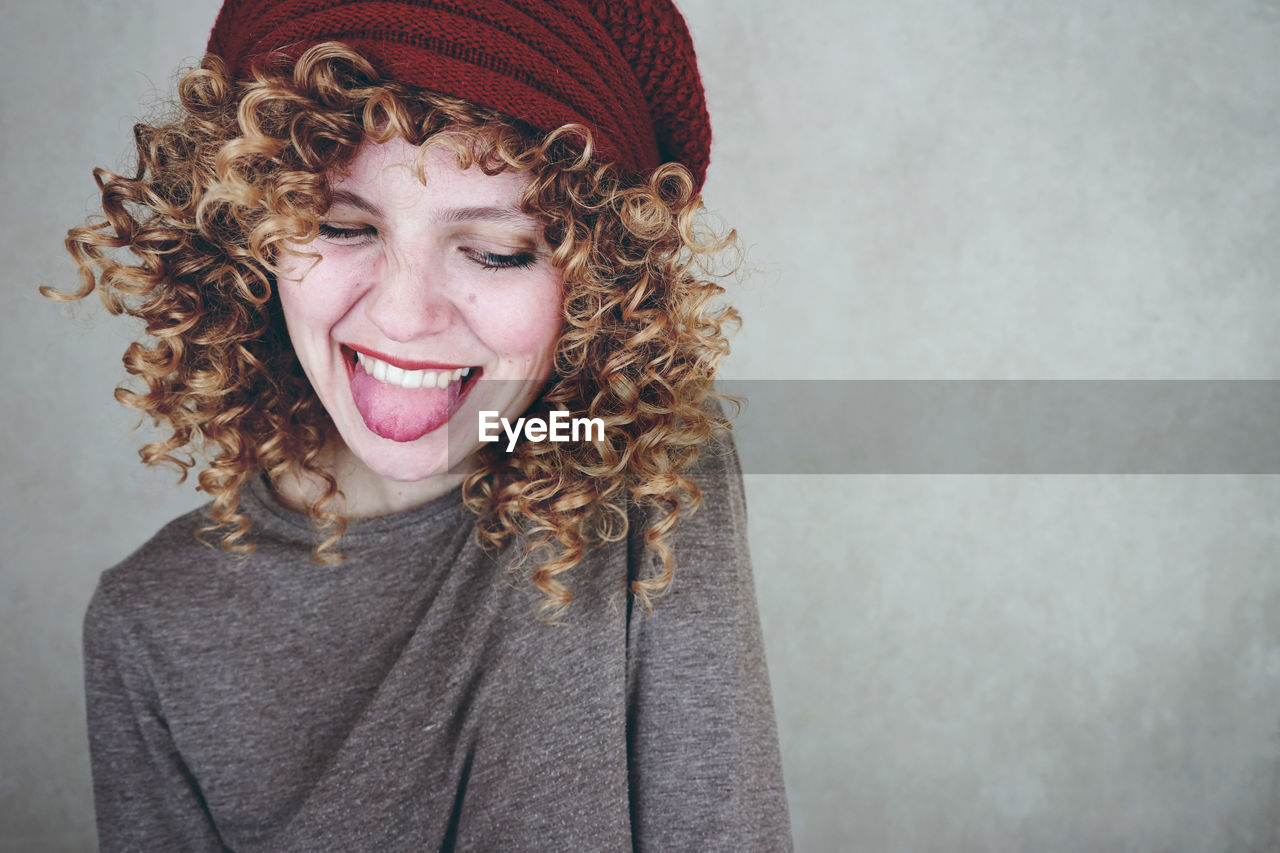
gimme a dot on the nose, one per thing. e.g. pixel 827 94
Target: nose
pixel 409 299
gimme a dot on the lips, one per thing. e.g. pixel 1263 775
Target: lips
pixel 393 395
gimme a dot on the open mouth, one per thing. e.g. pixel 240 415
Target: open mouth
pixel 410 375
pixel 403 400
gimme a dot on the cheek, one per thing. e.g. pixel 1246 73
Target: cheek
pixel 525 323
pixel 314 305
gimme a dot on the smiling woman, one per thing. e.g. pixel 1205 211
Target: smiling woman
pixel 349 250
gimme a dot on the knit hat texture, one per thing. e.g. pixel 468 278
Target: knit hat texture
pixel 624 68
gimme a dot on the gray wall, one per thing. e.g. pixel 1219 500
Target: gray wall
pixel 943 190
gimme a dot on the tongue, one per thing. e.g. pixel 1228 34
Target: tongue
pixel 401 414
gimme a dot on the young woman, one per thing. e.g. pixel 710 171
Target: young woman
pixel 368 228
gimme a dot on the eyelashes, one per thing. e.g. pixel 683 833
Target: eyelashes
pixel 485 260
pixel 491 261
pixel 343 235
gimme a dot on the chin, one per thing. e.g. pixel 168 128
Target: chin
pixel 404 462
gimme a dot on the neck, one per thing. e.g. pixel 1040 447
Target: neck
pixel 364 493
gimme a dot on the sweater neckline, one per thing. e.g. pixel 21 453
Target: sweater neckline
pixel 259 501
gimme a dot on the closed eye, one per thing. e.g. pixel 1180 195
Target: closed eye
pixel 486 260
pixel 494 261
pixel 345 235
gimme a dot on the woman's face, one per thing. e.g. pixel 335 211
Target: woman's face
pixel 419 291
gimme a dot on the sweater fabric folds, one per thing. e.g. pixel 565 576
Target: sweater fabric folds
pixel 410 699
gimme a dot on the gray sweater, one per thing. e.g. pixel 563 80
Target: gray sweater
pixel 408 699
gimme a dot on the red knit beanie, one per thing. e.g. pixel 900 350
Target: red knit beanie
pixel 624 68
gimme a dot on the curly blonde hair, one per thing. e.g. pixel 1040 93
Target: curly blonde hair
pixel 243 166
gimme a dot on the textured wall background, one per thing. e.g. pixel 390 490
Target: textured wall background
pixel 928 189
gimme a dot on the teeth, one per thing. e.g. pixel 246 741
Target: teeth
pixel 393 375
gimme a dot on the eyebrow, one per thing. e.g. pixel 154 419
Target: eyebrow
pixel 356 201
pixel 510 215
pixel 449 216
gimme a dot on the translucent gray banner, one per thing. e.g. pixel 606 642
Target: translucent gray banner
pixel 1008 426
pixel 945 426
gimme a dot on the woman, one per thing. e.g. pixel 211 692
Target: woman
pixel 370 227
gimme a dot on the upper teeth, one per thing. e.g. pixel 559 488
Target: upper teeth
pixel 392 375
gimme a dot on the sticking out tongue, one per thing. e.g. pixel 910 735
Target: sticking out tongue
pixel 401 414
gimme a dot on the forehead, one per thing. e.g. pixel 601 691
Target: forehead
pixel 396 174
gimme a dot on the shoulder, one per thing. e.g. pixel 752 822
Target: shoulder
pixel 163 579
pixel 717 473
pixel 721 511
pixel 709 543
